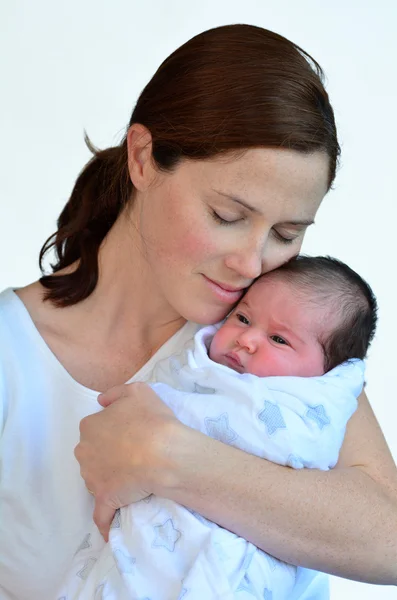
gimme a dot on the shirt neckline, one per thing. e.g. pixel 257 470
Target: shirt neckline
pixel 30 328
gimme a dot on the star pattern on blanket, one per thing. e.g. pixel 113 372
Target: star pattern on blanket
pixel 125 562
pixel 86 543
pixel 202 389
pixel 166 535
pixel 85 571
pixel 183 593
pixel 272 417
pixel 267 594
pixel 219 429
pixel 247 560
pixel 116 523
pixel 176 363
pixel 246 585
pixel 318 415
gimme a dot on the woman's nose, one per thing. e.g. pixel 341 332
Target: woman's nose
pixel 248 262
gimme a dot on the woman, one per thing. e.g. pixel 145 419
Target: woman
pixel 230 150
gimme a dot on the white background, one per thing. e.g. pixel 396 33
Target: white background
pixel 81 64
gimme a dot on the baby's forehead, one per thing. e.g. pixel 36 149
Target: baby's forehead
pixel 274 281
pixel 277 281
pixel 292 294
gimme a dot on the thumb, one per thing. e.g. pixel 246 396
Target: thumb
pixel 115 393
pixel 103 517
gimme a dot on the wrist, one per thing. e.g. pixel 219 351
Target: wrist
pixel 175 450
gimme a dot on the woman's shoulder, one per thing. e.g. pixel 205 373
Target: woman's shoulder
pixel 20 339
pixel 9 302
pixel 11 344
pixel 17 305
pixel 31 297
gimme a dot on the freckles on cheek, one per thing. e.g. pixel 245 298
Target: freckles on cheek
pixel 194 246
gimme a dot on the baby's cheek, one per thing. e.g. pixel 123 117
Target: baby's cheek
pixel 218 345
pixel 269 362
pixel 312 366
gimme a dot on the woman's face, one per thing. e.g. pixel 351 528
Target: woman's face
pixel 212 226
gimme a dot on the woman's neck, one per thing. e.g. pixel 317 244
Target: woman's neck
pixel 126 305
pixel 127 301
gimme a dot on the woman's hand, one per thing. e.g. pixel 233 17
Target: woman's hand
pixel 124 449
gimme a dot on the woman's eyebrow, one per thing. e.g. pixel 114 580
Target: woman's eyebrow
pixel 238 200
pixel 303 222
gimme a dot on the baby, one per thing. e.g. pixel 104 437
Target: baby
pixel 278 379
pixel 302 319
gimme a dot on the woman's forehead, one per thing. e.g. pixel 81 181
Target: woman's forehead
pixel 264 177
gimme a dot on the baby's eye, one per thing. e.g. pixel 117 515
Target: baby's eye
pixel 278 339
pixel 242 319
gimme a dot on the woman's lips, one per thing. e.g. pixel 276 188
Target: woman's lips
pixel 225 292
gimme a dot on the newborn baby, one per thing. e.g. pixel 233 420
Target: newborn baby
pixel 278 379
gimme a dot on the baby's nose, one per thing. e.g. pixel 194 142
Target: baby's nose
pixel 247 341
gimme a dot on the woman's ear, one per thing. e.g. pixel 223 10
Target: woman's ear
pixel 140 164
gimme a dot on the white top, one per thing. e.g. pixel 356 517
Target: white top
pixel 45 508
pixel 44 505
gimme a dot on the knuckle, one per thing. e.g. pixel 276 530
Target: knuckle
pixel 77 452
pixel 83 424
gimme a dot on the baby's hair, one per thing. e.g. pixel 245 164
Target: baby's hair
pixel 350 299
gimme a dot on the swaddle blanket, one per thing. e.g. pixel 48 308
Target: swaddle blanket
pixel 159 550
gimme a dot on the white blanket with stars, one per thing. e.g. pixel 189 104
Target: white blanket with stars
pixel 159 550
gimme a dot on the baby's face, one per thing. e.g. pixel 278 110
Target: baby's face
pixel 273 331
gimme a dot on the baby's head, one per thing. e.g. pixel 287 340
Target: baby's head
pixel 303 319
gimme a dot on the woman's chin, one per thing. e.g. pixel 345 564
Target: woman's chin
pixel 207 315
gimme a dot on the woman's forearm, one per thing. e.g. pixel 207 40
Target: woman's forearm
pixel 341 521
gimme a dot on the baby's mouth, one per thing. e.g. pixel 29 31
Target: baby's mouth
pixel 234 361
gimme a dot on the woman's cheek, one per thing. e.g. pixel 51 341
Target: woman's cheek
pixel 196 246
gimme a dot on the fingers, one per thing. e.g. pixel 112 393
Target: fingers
pixel 115 393
pixel 121 391
pixel 103 517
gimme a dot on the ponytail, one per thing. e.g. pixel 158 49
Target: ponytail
pixel 100 193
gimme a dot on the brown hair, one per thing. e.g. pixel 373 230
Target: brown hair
pixel 333 285
pixel 227 89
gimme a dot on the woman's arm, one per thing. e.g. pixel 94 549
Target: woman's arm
pixel 342 521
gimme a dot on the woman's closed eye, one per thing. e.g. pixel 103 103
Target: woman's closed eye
pixel 225 220
pixel 283 238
